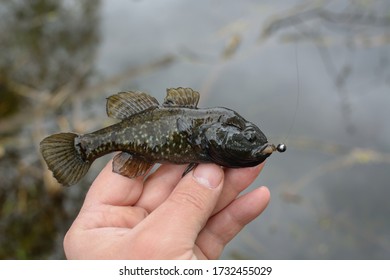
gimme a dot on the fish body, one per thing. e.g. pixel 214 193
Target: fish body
pixel 176 132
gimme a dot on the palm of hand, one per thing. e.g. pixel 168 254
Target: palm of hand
pixel 164 216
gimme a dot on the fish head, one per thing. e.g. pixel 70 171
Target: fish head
pixel 237 144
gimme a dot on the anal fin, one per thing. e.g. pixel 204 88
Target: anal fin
pixel 129 165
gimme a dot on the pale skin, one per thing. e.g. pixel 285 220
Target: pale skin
pixel 165 216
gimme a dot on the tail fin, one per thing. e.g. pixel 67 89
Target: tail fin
pixel 63 159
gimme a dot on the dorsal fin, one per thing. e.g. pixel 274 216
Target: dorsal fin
pixel 181 97
pixel 125 104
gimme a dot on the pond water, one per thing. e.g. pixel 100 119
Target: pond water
pixel 314 76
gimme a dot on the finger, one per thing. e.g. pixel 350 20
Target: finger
pixel 236 180
pixel 184 213
pixel 222 227
pixel 159 185
pixel 110 188
pixel 106 203
pixel 108 216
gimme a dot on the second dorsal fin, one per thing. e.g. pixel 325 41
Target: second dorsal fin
pixel 181 97
pixel 125 104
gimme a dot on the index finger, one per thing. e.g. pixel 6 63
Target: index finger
pixel 114 189
pixel 236 180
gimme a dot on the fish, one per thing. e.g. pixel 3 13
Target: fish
pixel 177 132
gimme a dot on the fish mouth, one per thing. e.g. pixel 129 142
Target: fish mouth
pixel 268 149
pixel 265 150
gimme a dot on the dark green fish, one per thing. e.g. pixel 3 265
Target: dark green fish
pixel 176 132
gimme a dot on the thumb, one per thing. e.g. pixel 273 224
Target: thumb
pixel 191 203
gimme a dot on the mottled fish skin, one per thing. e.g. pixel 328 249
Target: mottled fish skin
pixel 155 135
pixel 176 132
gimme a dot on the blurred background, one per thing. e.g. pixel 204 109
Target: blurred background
pixel 312 74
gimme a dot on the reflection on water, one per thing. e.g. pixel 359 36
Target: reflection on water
pixel 45 42
pixel 47 48
pixel 329 190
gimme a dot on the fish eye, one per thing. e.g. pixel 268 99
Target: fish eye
pixel 233 125
pixel 250 134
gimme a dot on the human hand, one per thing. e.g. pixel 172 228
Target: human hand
pixel 164 216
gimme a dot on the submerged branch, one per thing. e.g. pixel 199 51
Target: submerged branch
pixel 52 102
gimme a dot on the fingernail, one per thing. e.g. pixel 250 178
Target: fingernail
pixel 208 175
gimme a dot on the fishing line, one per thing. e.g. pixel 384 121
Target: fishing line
pixel 298 95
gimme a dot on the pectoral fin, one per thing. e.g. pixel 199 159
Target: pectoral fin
pixel 181 97
pixel 125 104
pixel 189 168
pixel 129 166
